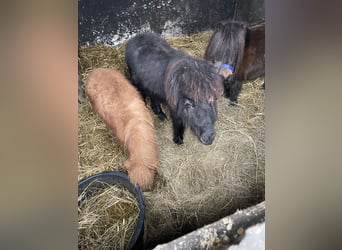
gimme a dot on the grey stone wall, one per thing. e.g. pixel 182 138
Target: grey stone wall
pixel 112 21
pixel 250 11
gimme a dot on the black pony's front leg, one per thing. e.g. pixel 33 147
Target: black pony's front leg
pixel 155 105
pixel 234 90
pixel 178 129
pixel 226 88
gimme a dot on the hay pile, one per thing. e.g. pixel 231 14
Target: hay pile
pixel 197 184
pixel 107 218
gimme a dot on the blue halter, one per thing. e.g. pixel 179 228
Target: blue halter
pixel 227 66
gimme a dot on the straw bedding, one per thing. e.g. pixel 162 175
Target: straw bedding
pixel 196 184
pixel 107 219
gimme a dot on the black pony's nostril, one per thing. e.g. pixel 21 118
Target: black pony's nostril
pixel 211 138
pixel 208 138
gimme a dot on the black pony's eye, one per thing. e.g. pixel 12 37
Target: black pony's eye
pixel 189 104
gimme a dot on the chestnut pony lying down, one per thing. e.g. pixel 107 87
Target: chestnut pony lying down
pixel 120 106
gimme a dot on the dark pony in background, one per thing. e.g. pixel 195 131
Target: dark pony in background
pixel 241 46
pixel 188 86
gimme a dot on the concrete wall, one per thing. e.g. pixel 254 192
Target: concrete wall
pixel 112 21
pixel 250 11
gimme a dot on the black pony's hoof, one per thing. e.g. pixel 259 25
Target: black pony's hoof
pixel 178 140
pixel 233 103
pixel 226 94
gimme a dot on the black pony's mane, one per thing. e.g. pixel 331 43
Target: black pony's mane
pixel 192 78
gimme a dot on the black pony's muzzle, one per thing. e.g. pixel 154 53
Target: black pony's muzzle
pixel 207 138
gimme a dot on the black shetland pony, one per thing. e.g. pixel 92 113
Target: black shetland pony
pixel 188 86
pixel 241 47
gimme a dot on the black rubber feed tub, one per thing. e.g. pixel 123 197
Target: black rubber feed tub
pixel 112 178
